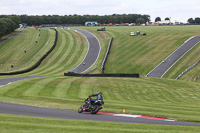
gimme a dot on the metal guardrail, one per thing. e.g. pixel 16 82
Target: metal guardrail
pixel 186 70
pixel 106 56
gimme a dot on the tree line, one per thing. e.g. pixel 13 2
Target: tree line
pixel 81 19
pixel 8 24
pixel 159 19
pixel 194 21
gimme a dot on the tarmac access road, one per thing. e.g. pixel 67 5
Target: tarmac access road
pixel 166 64
pixel 17 109
pixel 93 52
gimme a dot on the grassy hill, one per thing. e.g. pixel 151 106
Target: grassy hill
pixel 188 60
pixel 140 54
pixel 149 96
pixel 21 50
pixel 69 52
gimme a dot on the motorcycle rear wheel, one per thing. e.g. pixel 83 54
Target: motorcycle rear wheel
pixel 95 110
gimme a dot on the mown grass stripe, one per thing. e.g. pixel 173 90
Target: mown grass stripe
pixel 35 88
pixel 18 90
pixel 59 52
pixel 74 88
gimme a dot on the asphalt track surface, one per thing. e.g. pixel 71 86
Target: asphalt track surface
pixel 165 65
pixel 92 55
pixel 18 109
pixel 11 36
pixel 7 81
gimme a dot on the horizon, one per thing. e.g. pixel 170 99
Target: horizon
pixel 178 10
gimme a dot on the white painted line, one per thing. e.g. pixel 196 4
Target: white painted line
pixel 98 53
pixel 179 59
pixel 172 54
pixel 85 55
pixel 126 115
pixel 7 83
pixel 189 39
pixel 88 51
pixel 169 120
pixel 139 116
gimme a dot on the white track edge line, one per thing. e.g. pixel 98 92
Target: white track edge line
pixel 170 55
pixel 88 50
pixel 179 58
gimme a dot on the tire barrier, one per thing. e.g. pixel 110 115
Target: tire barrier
pixel 186 70
pixel 101 75
pixel 38 63
pixel 106 56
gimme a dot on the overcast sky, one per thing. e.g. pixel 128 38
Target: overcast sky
pixel 178 10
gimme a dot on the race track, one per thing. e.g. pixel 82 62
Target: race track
pixel 92 55
pixel 167 63
pixel 18 109
pixel 89 60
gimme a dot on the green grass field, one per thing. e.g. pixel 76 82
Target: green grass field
pixel 165 97
pixel 12 51
pixel 24 124
pixel 104 39
pixel 69 52
pixel 149 96
pixel 140 54
pixel 7 35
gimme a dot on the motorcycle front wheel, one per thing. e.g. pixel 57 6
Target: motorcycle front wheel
pixel 80 110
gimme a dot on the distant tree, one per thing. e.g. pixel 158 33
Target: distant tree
pixel 191 20
pixel 3 27
pixel 197 20
pixel 10 27
pixel 78 19
pixel 167 18
pixel 7 25
pixel 157 19
pixel 140 21
pixel 16 20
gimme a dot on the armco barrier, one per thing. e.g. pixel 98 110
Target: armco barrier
pixel 106 56
pixel 38 63
pixel 101 75
pixel 186 70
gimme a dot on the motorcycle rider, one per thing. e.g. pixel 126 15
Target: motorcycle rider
pixel 99 97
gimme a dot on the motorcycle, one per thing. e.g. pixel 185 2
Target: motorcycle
pixel 91 106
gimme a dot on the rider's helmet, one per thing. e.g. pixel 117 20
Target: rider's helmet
pixel 99 93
